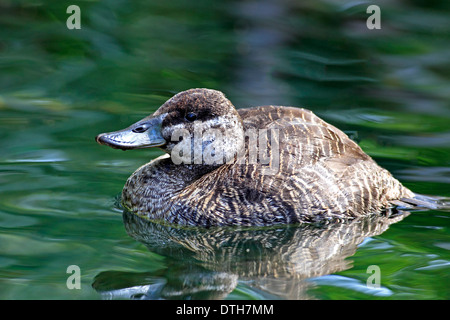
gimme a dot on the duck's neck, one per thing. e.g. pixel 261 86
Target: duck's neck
pixel 158 182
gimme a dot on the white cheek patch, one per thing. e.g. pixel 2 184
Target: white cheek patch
pixel 214 141
pixel 173 130
pixel 201 126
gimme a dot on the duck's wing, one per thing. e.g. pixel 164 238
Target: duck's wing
pixel 316 159
pixel 303 137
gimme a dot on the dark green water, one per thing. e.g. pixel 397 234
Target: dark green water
pixel 387 88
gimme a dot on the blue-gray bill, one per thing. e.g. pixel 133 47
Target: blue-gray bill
pixel 145 133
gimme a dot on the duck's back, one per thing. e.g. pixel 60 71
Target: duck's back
pixel 316 172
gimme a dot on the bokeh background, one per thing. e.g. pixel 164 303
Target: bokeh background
pixel 388 89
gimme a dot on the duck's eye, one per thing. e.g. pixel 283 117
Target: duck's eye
pixel 191 116
pixel 140 129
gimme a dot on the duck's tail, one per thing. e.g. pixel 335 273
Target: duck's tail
pixel 422 202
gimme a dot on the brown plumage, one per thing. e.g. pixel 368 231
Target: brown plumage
pixel 314 173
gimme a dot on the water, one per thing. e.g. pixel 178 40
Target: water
pixel 388 89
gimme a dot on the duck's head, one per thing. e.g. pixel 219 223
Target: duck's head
pixel 194 126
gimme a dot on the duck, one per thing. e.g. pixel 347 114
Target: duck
pixel 258 166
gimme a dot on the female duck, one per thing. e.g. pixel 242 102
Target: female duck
pixel 258 166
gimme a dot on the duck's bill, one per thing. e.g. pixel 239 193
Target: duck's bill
pixel 143 134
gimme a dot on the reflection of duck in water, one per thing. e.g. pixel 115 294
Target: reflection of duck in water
pixel 313 171
pixel 270 262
